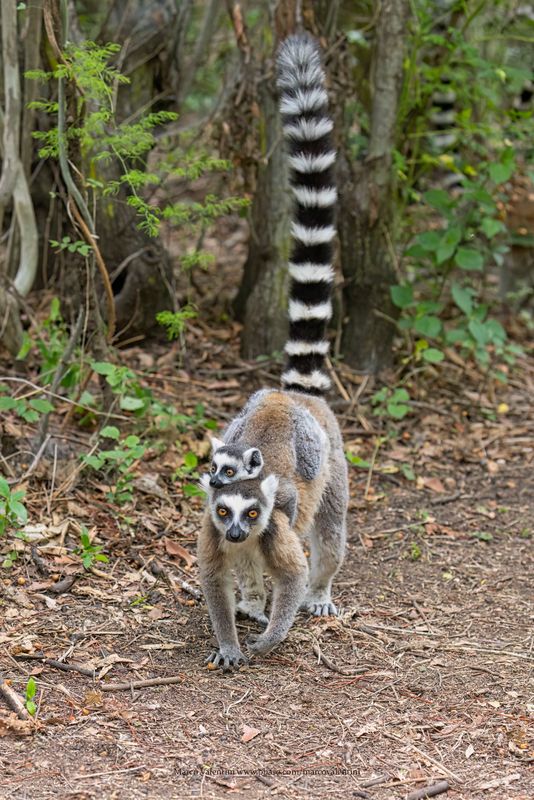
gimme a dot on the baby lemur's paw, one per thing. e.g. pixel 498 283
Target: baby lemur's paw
pixel 227 658
pixel 246 610
pixel 320 608
pixel 259 644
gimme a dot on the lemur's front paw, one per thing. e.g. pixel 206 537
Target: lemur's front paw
pixel 259 644
pixel 245 610
pixel 227 658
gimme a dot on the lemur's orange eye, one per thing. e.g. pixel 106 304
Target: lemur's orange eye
pixel 252 514
pixel 213 469
pixel 222 512
pixel 230 472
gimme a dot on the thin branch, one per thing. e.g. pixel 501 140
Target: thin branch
pixel 11 697
pixel 130 685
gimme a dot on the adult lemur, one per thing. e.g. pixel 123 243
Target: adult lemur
pixel 281 471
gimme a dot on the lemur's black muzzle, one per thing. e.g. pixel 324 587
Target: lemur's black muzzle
pixel 236 534
pixel 216 483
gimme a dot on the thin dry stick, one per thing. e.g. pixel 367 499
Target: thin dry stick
pixel 334 667
pixel 371 468
pixel 429 791
pixel 89 238
pixel 129 685
pixel 341 389
pixel 13 700
pixel 428 758
pixel 51 662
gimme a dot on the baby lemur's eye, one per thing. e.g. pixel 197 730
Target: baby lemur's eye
pixel 213 469
pixel 222 512
pixel 230 472
pixel 252 514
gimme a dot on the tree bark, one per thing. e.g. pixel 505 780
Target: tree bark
pixel 366 221
pixel 261 302
pixel 262 297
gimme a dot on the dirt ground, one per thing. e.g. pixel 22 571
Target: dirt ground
pixel 427 675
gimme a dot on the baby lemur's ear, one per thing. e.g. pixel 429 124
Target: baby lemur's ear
pixel 216 444
pixel 252 459
pixel 269 485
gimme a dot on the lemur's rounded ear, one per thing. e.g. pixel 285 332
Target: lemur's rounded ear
pixel 252 459
pixel 216 444
pixel 269 485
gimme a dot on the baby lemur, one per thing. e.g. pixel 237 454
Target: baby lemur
pixel 280 470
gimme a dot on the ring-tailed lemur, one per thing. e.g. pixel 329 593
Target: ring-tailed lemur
pixel 285 440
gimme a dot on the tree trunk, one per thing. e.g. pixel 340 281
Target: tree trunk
pixel 262 299
pixel 261 302
pixel 366 220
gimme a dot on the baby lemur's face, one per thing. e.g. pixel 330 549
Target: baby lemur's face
pixel 242 508
pixel 231 463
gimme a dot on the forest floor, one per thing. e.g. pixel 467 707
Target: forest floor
pixel 427 674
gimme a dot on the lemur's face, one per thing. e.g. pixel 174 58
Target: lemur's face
pixel 242 509
pixel 231 463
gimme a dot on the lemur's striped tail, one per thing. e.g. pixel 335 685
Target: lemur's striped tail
pixel 308 127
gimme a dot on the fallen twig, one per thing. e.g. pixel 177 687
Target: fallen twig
pixel 51 662
pixel 14 702
pixel 129 685
pixel 428 758
pixel 334 667
pixel 375 781
pixel 63 585
pixel 429 791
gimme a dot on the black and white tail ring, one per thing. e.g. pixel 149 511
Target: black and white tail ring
pixel 308 128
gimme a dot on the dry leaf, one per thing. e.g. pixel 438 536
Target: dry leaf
pixel 469 751
pixel 175 549
pixel 434 484
pixel 249 733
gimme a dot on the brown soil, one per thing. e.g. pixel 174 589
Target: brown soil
pixel 426 675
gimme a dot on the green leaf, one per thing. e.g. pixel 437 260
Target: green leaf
pixel 131 441
pixel 468 258
pixel 397 411
pixel 93 461
pixel 41 405
pixel 110 432
pixel 448 244
pixel 433 355
pixel 190 460
pixel 402 296
pixel 400 394
pixel 356 461
pixel 491 226
pixel 20 511
pixel 7 403
pixel 31 708
pixel 4 488
pixel 103 367
pixel 479 332
pixel 429 240
pixel 408 472
pixel 25 347
pixel 130 403
pixel 438 199
pixel 31 689
pixel 463 298
pixel 428 326
pixel 192 490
